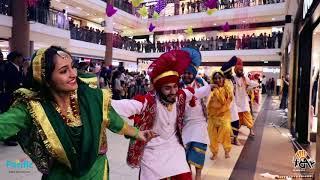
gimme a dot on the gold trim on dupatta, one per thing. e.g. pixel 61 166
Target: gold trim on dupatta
pixel 47 133
pixel 105 174
pixel 37 65
pixel 106 103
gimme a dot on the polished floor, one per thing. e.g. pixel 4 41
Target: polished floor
pixel 270 151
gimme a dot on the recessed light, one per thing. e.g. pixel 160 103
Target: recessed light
pixel 273 19
pixel 88 14
pixel 114 23
pixel 79 8
pixel 214 24
pixel 58 0
pixel 243 21
pixel 100 18
pixel 67 7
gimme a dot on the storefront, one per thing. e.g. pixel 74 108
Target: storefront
pixel 308 74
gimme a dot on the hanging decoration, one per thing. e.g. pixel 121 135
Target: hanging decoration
pixel 226 27
pixel 160 6
pixel 211 11
pixel 31 3
pixel 156 15
pixel 151 27
pixel 189 31
pixel 136 3
pixel 110 11
pixel 143 11
pixel 211 4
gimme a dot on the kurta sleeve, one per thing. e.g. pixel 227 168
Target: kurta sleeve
pixel 251 84
pixel 199 93
pixel 128 107
pixel 116 123
pixel 16 118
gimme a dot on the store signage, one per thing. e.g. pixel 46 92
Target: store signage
pixel 306 6
pixel 271 70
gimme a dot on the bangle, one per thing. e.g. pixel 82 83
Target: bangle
pixel 137 133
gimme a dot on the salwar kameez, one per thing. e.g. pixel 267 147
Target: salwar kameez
pixel 59 150
pixel 219 118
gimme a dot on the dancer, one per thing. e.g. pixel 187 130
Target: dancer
pixel 61 121
pixel 161 110
pixel 219 115
pixel 243 84
pixel 194 132
pixel 227 70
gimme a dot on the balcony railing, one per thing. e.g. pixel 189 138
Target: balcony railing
pixel 263 41
pixel 196 6
pixel 49 17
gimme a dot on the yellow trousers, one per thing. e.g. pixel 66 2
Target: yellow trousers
pixel 219 134
pixel 246 119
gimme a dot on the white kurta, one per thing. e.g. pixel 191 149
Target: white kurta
pixel 163 156
pixel 195 123
pixel 241 95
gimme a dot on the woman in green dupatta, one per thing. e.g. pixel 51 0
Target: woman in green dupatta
pixel 61 121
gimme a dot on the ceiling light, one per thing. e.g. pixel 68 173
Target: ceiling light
pixel 243 21
pixel 273 19
pixel 58 0
pixel 214 24
pixel 79 8
pixel 114 23
pixel 67 7
pixel 100 18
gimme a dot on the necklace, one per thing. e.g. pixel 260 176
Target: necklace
pixel 168 105
pixel 72 118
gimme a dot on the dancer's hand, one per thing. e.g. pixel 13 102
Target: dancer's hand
pixel 146 135
pixel 214 86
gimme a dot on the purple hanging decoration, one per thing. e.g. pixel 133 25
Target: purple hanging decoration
pixel 160 6
pixel 110 11
pixel 31 3
pixel 211 4
pixel 151 27
pixel 226 27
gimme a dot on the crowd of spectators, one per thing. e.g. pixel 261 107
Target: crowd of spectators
pixel 5 7
pixel 195 6
pixel 246 41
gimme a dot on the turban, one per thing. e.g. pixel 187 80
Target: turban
pixel 168 68
pixel 195 56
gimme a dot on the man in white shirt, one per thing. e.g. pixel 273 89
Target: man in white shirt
pixel 243 84
pixel 162 111
pixel 194 133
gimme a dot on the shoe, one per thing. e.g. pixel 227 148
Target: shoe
pixel 236 142
pixel 10 143
pixel 213 157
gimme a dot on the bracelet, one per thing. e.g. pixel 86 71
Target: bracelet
pixel 137 133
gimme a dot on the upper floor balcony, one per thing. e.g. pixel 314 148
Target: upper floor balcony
pixel 127 21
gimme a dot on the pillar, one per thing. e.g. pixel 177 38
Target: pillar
pixel 109 38
pixel 20 29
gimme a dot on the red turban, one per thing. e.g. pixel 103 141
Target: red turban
pixel 238 65
pixel 168 68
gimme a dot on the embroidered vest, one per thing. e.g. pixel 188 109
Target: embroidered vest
pixel 145 121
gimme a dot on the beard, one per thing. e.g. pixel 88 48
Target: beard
pixel 167 99
pixel 188 80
